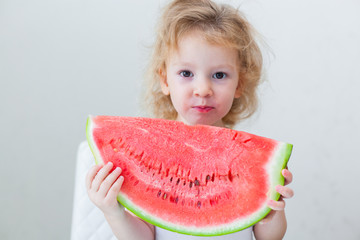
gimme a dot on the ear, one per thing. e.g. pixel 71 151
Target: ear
pixel 163 82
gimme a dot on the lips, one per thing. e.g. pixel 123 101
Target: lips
pixel 203 109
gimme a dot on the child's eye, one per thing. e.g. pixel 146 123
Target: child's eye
pixel 219 75
pixel 186 74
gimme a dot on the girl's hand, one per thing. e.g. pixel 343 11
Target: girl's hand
pixel 103 187
pixel 284 191
pixel 274 225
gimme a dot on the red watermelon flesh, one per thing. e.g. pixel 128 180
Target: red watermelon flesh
pixel 198 180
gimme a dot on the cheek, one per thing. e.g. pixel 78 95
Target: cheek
pixel 227 99
pixel 179 89
pixel 176 97
pixel 228 92
pixel 229 103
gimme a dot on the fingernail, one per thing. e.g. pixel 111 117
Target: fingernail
pixel 271 202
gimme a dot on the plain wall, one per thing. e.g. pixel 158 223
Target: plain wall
pixel 62 60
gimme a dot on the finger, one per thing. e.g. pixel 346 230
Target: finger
pixel 109 181
pixel 268 217
pixel 276 205
pixel 287 175
pixel 91 175
pixel 100 176
pixel 285 192
pixel 115 188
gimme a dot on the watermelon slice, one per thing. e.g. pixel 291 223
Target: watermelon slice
pixel 197 180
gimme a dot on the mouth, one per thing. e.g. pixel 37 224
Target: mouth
pixel 203 109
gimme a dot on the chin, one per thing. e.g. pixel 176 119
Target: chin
pixel 201 120
pixel 210 122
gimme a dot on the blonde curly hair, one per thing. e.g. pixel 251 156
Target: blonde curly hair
pixel 220 24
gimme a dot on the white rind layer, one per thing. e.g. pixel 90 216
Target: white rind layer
pixel 91 142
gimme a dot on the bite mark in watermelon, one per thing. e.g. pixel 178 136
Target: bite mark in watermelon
pixel 197 180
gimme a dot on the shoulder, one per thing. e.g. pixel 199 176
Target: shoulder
pixel 83 147
pixel 84 154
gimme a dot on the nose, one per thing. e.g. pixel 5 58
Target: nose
pixel 202 87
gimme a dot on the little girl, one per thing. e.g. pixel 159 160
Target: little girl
pixel 205 69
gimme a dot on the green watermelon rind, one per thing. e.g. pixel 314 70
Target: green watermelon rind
pixel 280 159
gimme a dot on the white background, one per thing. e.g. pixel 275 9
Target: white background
pixel 62 60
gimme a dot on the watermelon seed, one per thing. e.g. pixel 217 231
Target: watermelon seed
pixel 115 150
pixel 171 179
pixel 178 181
pixel 191 183
pixel 198 204
pixel 138 157
pixel 159 193
pixel 234 137
pixel 184 182
pixel 197 182
pixel 160 168
pixel 213 177
pixel 176 199
pixel 131 151
pixel 207 178
pixel 164 196
pixel 141 155
pixel 230 176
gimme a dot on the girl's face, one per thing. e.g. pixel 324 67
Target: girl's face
pixel 202 80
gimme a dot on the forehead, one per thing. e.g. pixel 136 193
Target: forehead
pixel 194 46
pixel 210 35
